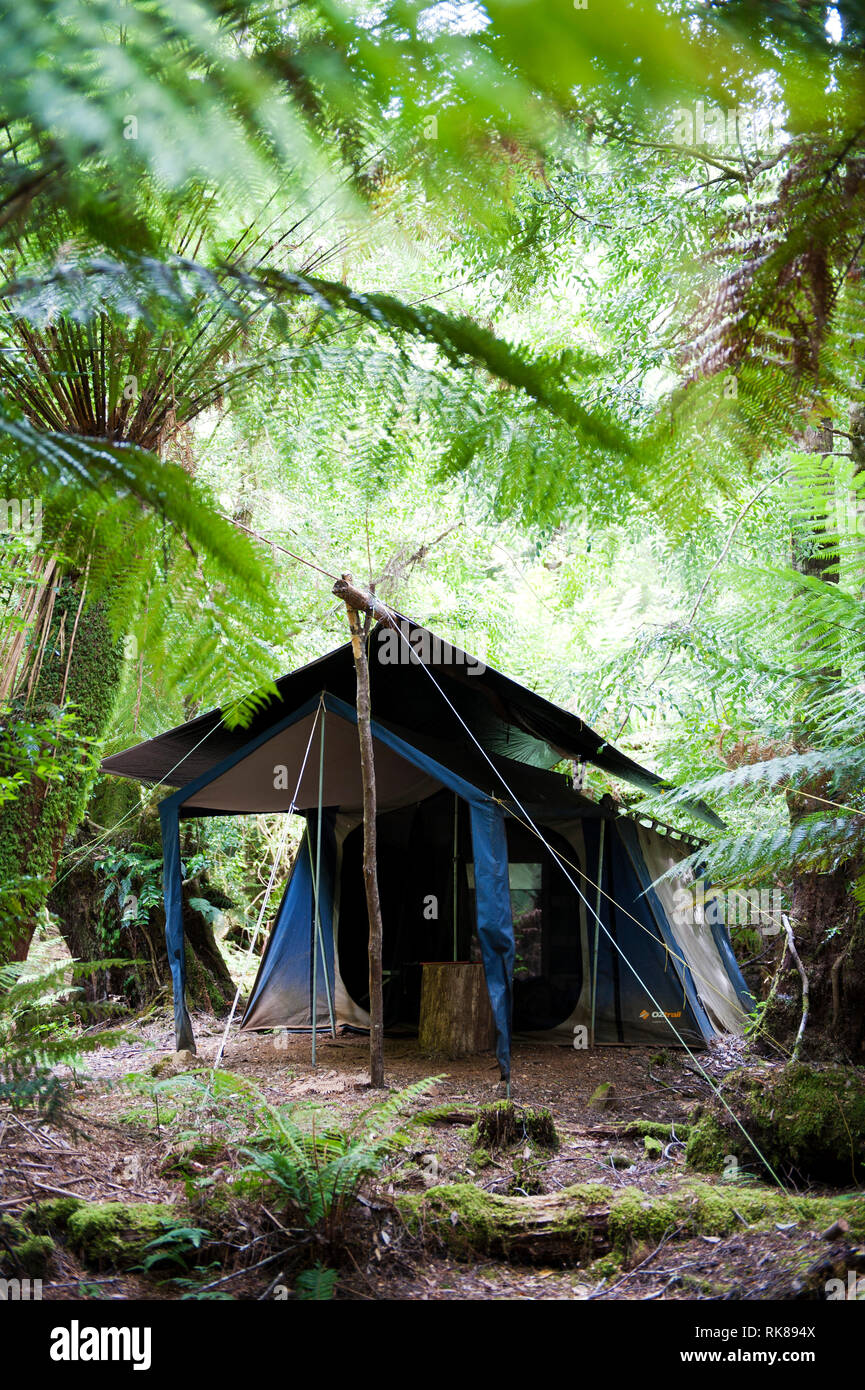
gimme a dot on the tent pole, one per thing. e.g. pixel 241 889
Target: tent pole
pixel 456 868
pixel 317 916
pixel 330 1010
pixel 597 928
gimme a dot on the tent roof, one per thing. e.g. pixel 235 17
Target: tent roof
pixel 510 722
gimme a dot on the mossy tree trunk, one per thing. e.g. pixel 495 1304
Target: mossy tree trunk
pixel 83 672
pixel 38 830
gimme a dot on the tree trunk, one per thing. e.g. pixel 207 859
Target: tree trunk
pixel 83 670
pixel 97 925
pixel 829 930
pixel 828 923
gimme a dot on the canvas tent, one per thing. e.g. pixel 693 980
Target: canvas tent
pixel 474 829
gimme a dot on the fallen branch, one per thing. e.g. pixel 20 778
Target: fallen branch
pixel 271 1286
pixel 810 1283
pixel 62 1191
pixel 247 1269
pixel 34 1134
pixel 85 1279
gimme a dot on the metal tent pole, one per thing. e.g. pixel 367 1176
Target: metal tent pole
pixel 456 869
pixel 320 938
pixel 597 928
pixel 317 941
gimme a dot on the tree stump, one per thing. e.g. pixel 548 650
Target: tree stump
pixel 455 1015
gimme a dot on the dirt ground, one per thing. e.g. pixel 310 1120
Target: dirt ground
pixel 117 1148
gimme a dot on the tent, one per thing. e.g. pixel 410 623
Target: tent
pixel 484 853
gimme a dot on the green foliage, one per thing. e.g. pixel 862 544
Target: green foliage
pixel 48 749
pixel 320 1167
pixel 316 1285
pixel 177 1246
pixel 33 824
pixel 79 476
pixel 134 878
pixel 40 1031
pixel 810 675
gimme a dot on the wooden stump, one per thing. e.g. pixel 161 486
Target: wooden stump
pixel 455 1015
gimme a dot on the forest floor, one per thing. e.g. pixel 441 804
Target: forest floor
pixel 134 1109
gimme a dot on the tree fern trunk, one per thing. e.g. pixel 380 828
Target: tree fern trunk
pixel 828 922
pixel 37 830
pixel 83 672
pixel 829 929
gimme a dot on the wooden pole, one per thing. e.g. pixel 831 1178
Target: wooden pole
pixel 357 601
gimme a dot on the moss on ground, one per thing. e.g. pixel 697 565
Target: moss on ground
pixel 802 1120
pixel 701 1208
pixel 605 1267
pixel 710 1143
pixel 20 1250
pixel 34 1255
pixel 482 1158
pixel 436 1114
pixel 12 1231
pixel 116 1233
pixel 52 1215
pixel 636 1217
pixel 652 1129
